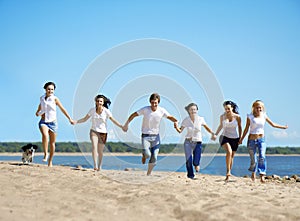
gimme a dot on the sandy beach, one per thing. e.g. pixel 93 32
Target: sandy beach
pixel 36 192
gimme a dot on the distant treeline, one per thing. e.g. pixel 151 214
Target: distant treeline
pixel 72 147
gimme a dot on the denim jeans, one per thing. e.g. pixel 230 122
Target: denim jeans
pixel 192 152
pixel 151 144
pixel 260 145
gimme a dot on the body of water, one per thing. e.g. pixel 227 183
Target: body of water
pixel 215 165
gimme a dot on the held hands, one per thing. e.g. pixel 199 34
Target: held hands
pixel 240 141
pixel 176 127
pixel 213 137
pixel 125 127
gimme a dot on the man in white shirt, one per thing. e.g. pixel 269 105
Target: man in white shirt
pixel 152 116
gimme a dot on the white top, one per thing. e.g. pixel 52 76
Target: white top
pixel 229 128
pixel 257 123
pixel 151 119
pixel 99 120
pixel 48 107
pixel 193 128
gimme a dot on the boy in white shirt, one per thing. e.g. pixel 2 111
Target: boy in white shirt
pixel 152 116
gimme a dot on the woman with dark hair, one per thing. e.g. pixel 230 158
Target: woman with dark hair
pixel 193 138
pixel 230 121
pixel 98 132
pixel 48 123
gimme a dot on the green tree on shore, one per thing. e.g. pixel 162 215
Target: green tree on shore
pixel 120 147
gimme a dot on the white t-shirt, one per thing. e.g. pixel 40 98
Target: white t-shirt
pixel 48 107
pixel 194 128
pixel 99 120
pixel 151 119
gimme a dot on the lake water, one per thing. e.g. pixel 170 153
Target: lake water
pixel 215 165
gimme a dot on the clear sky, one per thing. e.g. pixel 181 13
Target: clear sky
pixel 252 47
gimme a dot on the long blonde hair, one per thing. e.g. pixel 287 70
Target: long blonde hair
pixel 258 102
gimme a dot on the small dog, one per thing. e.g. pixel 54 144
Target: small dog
pixel 28 153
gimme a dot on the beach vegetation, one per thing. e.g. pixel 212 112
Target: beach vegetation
pixel 120 147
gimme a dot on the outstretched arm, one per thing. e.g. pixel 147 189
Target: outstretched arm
pixel 116 122
pixel 276 125
pixel 61 107
pixel 219 127
pixel 209 131
pixel 239 121
pixel 171 118
pixel 82 120
pixel 245 131
pixel 130 118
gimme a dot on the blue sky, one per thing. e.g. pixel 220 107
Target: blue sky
pixel 252 47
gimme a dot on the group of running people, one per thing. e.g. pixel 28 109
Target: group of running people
pixel 230 125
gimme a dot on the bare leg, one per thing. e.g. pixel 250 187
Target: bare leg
pixel 228 149
pixel 45 133
pixel 150 168
pixel 253 176
pixel 94 140
pixel 100 155
pixel 52 147
pixel 232 156
pixel 262 178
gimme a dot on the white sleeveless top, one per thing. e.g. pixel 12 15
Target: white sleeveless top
pixel 257 123
pixel 229 128
pixel 48 107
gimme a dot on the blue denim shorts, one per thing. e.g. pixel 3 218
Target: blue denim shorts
pixel 51 125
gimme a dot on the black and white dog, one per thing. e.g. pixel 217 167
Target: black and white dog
pixel 28 153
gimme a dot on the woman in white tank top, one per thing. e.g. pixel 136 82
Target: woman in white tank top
pixel 230 122
pixel 256 139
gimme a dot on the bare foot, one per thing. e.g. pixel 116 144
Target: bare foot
pixel 227 176
pixel 143 159
pixel 253 177
pixel 45 158
pixel 262 178
pixel 197 168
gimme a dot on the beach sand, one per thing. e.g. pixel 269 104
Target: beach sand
pixel 36 192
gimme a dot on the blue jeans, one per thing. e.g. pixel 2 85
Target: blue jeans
pixel 151 144
pixel 192 152
pixel 261 146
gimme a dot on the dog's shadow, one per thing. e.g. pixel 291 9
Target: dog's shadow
pixel 22 164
